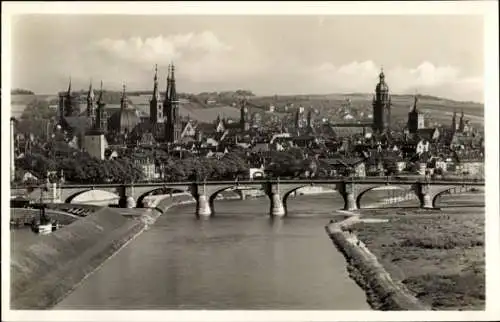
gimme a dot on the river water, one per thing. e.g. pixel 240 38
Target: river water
pixel 240 259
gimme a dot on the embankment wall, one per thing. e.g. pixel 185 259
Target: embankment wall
pixel 45 272
pixel 382 292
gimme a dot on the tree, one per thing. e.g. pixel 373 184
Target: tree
pixel 37 109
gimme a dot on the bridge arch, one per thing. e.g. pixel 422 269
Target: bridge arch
pixel 157 191
pixel 105 196
pixel 294 189
pixel 214 194
pixel 453 190
pixel 408 188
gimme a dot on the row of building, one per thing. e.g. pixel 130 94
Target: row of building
pixel 105 133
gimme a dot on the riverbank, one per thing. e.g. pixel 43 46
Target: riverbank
pixel 49 268
pixel 438 255
pixel 433 258
pixel 52 266
pixel 381 291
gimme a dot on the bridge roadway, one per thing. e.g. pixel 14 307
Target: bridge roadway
pixel 351 189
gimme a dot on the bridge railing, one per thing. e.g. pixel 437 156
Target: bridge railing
pixel 381 180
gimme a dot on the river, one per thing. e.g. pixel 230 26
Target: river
pixel 240 259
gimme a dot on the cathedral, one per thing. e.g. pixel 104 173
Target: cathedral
pixel 164 123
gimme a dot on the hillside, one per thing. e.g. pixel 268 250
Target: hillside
pixel 437 109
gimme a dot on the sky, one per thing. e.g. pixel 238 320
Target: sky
pixel 432 54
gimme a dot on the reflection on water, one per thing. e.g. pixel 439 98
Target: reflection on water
pixel 239 259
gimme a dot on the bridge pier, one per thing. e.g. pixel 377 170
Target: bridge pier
pixel 424 195
pixel 203 206
pixel 126 200
pixel 349 201
pixel 277 207
pixel 348 192
pixel 426 201
pixel 242 194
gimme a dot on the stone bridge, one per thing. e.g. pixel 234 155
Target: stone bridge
pixel 351 189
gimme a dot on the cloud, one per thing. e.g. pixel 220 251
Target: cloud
pixel 205 63
pixel 160 48
pixel 427 78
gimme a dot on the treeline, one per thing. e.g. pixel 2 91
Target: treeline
pixel 194 168
pixel 21 91
pixel 80 168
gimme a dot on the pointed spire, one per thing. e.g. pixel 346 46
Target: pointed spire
pixel 172 94
pixel 69 87
pixel 461 125
pixel 415 100
pixel 90 95
pixel 167 91
pixel 99 100
pixel 454 121
pixel 156 92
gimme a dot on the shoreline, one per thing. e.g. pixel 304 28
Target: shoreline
pixel 382 292
pixel 82 248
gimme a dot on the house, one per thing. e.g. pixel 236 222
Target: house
pixel 470 163
pixel 429 134
pixel 189 129
pixel 340 165
pixel 422 146
pixel 261 147
pixel 110 154
pixel 29 177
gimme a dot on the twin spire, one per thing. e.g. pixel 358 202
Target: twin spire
pixel 170 92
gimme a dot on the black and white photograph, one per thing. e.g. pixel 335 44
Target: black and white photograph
pixel 252 160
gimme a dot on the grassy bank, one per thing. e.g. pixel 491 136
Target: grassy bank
pixel 437 255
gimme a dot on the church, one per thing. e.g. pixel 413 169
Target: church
pixel 124 125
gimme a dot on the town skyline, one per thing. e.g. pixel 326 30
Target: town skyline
pixel 251 54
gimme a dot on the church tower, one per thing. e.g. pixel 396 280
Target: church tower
pixel 91 106
pixel 155 105
pixel 244 117
pixel 124 99
pixel 415 118
pixel 297 120
pixel 101 120
pixel 461 125
pixel 69 102
pixel 381 106
pixel 309 119
pixel 454 122
pixel 173 119
pixel 64 103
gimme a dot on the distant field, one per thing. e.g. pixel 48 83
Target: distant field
pixel 438 109
pixel 438 255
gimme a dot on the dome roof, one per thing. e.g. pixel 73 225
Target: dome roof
pixel 124 120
